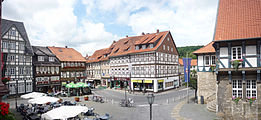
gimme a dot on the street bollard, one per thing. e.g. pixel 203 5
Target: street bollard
pixel 167 101
pixel 111 101
pixel 174 99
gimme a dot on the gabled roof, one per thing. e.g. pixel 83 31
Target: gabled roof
pixel 7 24
pixel 238 19
pixel 127 45
pixel 40 50
pixel 205 49
pixel 67 54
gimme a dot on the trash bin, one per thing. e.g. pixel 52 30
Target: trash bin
pixel 202 99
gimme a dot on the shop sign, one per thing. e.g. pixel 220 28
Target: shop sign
pixel 159 81
pixel 121 79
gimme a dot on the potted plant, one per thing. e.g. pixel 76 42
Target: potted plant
pixel 5 80
pixel 236 99
pixel 236 63
pixel 77 99
pixel 5 113
pixel 60 100
pixel 251 100
pixel 212 67
pixel 86 98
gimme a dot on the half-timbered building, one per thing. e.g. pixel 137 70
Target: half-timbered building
pixel 17 57
pixel 97 68
pixel 237 44
pixel 72 64
pixel 46 69
pixel 147 61
pixel 206 77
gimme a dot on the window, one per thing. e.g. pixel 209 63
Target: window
pixel 163 47
pixel 213 60
pixel 143 46
pixel 168 39
pixel 168 48
pixel 51 59
pixel 21 58
pixel 12 45
pixel 40 58
pixel 137 47
pixel 251 88
pixel 5 45
pixel 12 32
pixel 151 45
pixel 206 60
pixel 28 59
pixel 21 70
pixel 21 46
pixel 171 49
pixel 236 53
pixel 12 71
pixel 237 88
pixel 12 58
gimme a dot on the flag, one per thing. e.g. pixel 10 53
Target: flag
pixel 186 63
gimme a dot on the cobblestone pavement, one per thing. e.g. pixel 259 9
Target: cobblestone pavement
pixel 163 109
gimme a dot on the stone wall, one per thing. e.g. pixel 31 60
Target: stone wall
pixel 229 109
pixel 206 86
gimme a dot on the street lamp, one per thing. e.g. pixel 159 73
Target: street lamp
pixel 150 101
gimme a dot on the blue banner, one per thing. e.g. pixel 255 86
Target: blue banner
pixel 187 63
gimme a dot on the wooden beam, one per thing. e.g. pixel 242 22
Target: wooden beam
pixel 243 52
pixel 258 76
pixel 229 54
pixel 258 53
pixel 217 55
pixel 204 64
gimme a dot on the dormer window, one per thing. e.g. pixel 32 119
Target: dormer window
pixel 143 46
pixel 126 42
pixel 40 58
pixel 128 48
pixel 137 47
pixel 116 50
pixel 99 57
pixel 105 55
pixel 151 45
pixel 51 59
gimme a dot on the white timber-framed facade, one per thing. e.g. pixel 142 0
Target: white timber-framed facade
pixel 17 57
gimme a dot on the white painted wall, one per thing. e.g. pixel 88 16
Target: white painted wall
pixel 223 52
pixel 252 61
pixel 225 62
pixel 251 50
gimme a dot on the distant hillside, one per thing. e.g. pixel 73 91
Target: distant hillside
pixel 188 49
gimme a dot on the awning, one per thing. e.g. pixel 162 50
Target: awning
pixel 159 81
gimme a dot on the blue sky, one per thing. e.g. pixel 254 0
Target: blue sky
pixel 88 25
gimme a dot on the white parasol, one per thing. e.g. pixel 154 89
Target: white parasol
pixel 32 95
pixel 64 112
pixel 43 100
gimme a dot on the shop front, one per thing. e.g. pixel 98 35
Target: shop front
pixel 118 82
pixel 160 84
pixel 138 85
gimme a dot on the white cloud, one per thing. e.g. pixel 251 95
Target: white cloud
pixel 53 23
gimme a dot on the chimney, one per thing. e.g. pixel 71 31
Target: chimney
pixel 143 33
pixel 127 36
pixel 66 46
pixel 157 30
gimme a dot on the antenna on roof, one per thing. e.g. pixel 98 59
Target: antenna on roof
pixel 143 33
pixel 157 30
pixel 127 36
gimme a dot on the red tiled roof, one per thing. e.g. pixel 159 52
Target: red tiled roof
pixel 67 54
pixel 180 61
pixel 238 19
pixel 205 49
pixel 121 45
pixel 98 55
pixel 194 62
pixel 127 45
